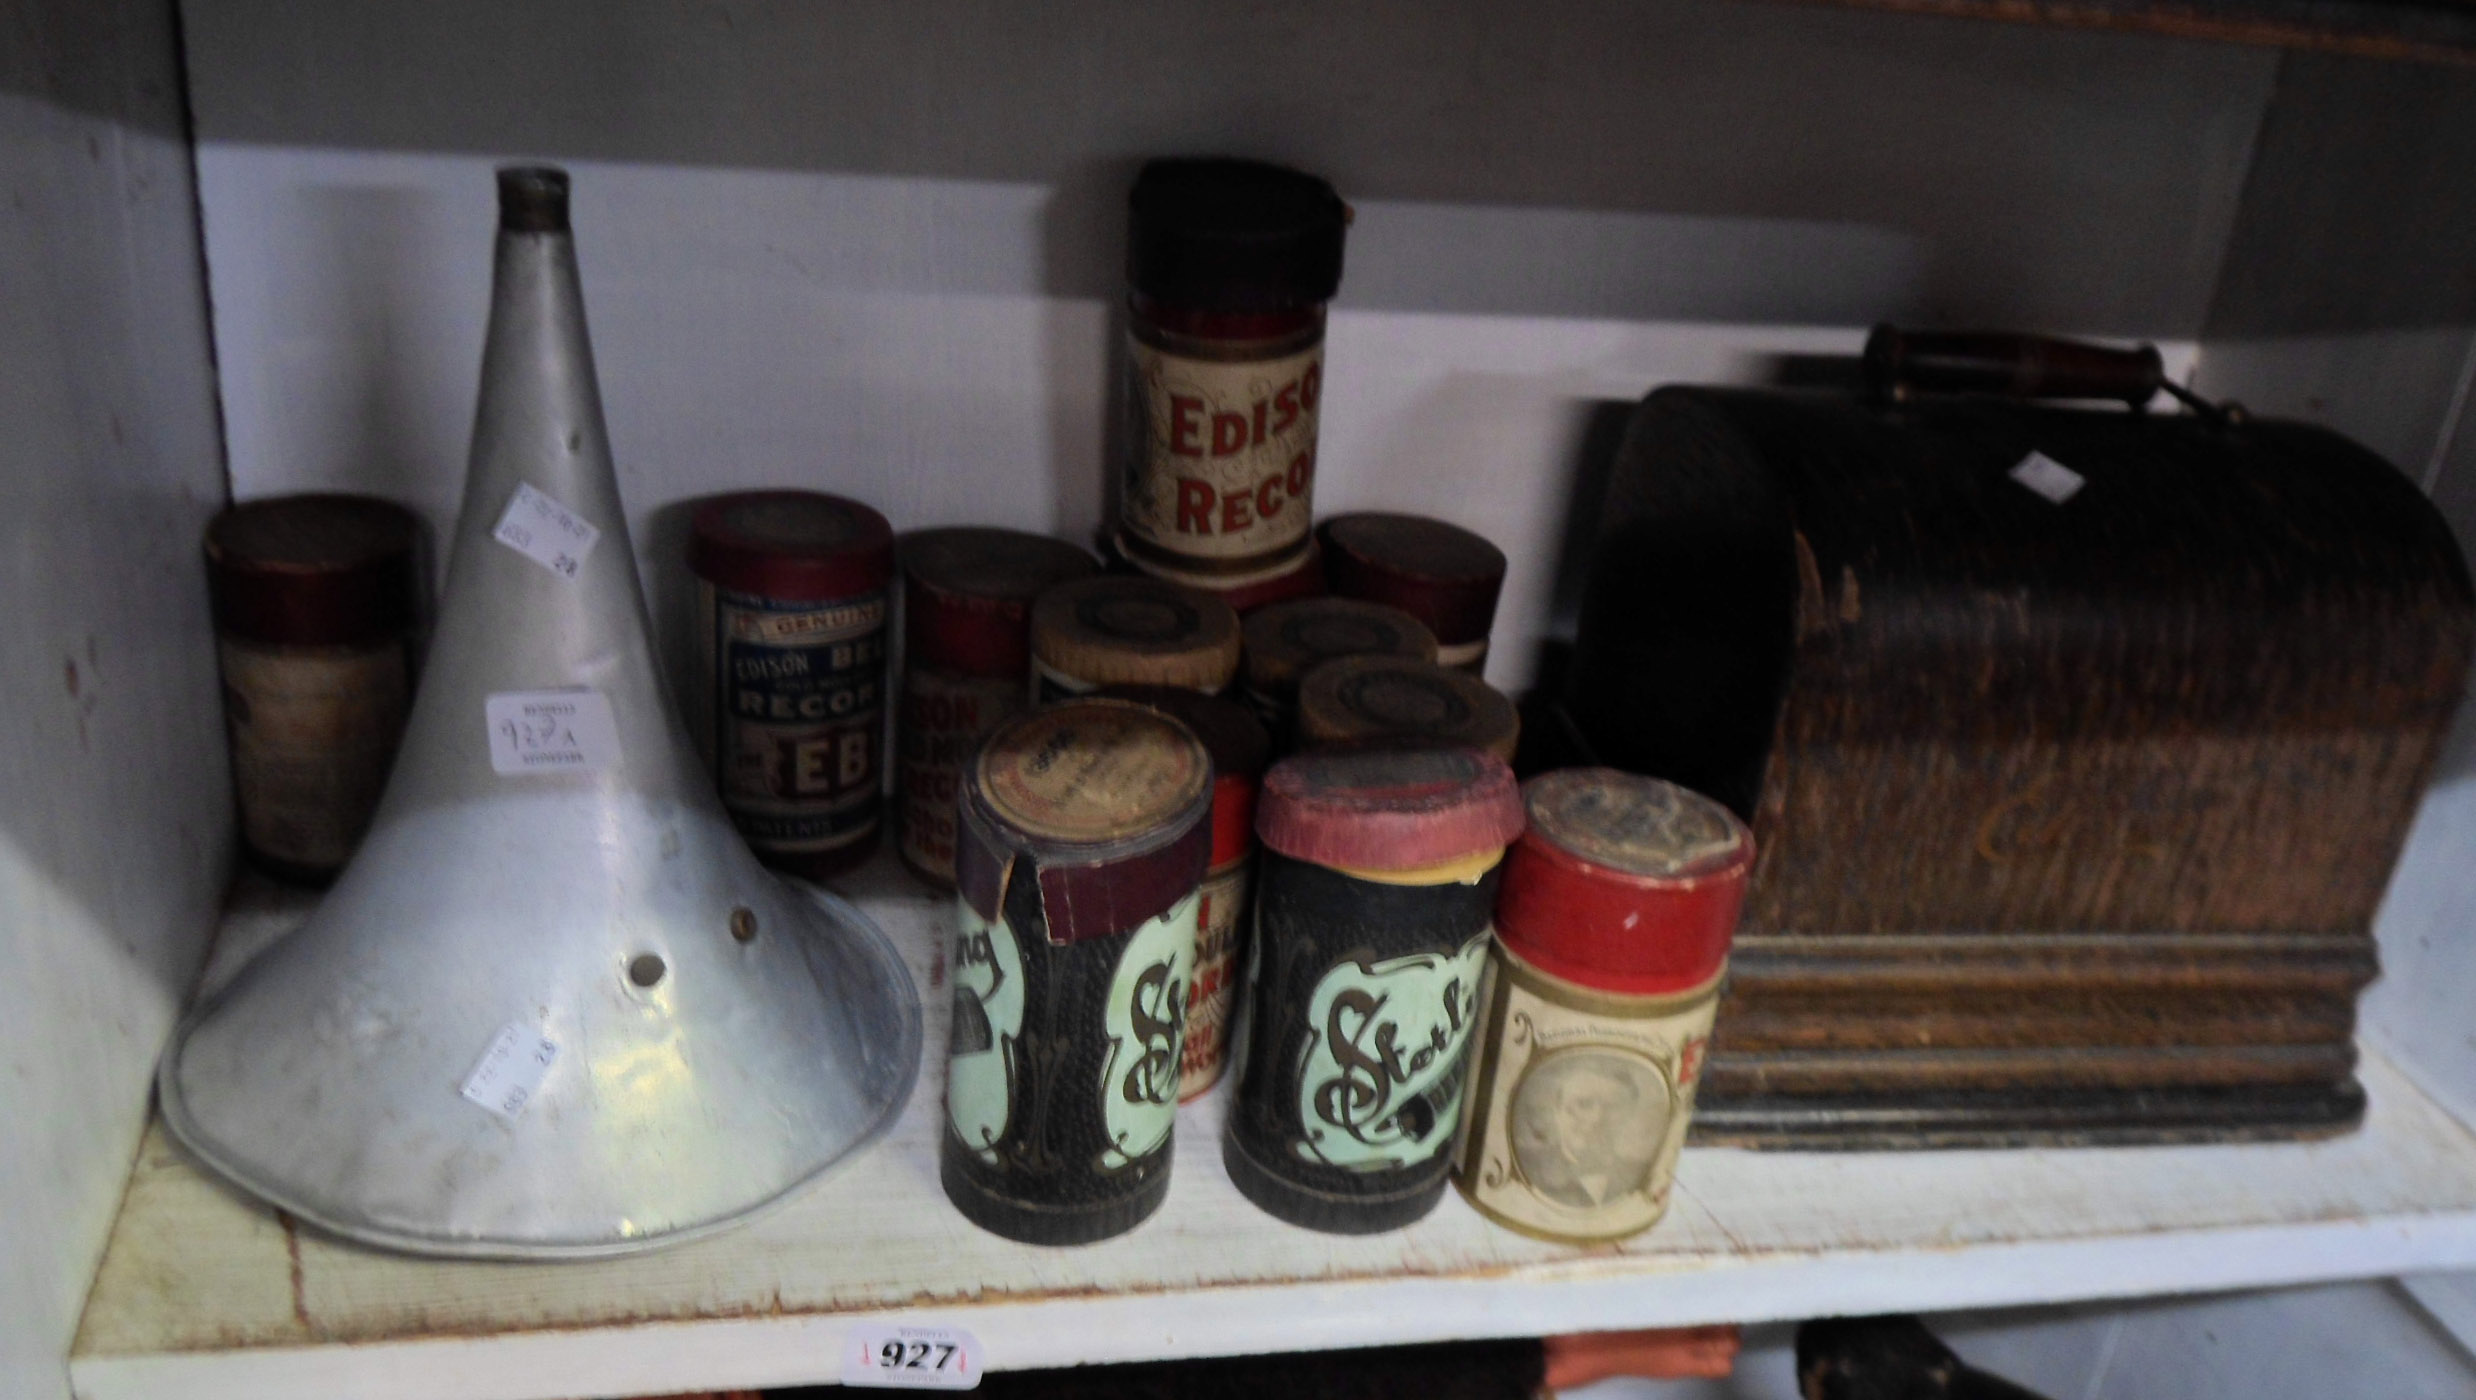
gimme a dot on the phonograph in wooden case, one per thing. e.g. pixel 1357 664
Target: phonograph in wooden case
pixel 2078 742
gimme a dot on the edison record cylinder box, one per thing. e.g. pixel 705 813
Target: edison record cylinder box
pixel 2078 744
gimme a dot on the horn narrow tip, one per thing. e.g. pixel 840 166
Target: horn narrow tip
pixel 532 199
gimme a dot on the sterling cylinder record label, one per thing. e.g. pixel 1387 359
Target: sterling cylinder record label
pixel 1381 1085
pixel 1084 836
pixel 1374 886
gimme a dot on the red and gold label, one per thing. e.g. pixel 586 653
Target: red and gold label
pixel 1220 938
pixel 1222 463
pixel 941 723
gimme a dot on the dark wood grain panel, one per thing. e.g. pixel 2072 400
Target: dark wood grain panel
pixel 2047 1117
pixel 2073 815
pixel 1741 1075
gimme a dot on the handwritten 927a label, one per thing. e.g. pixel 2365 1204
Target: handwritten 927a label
pixel 545 531
pixel 551 731
pixel 911 1358
pixel 511 1070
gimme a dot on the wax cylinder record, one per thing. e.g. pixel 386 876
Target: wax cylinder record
pixel 315 601
pixel 792 592
pixel 1358 698
pixel 1374 893
pixel 1443 575
pixel 1124 629
pixel 967 602
pixel 1229 265
pixel 1240 750
pixel 1300 577
pixel 1613 923
pixel 1284 642
pixel 1086 828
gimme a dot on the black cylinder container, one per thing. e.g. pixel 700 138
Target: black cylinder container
pixel 1085 832
pixel 1373 916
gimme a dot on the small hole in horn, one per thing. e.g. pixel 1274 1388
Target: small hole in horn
pixel 646 969
pixel 744 924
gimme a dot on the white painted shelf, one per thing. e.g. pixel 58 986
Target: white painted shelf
pixel 203 1295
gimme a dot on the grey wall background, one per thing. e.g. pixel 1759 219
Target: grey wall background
pixel 2039 177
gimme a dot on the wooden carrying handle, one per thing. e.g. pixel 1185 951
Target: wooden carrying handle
pixel 1901 365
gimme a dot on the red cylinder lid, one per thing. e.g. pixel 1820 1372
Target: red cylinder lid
pixel 1388 806
pixel 314 570
pixel 967 595
pixel 1622 882
pixel 1439 573
pixel 791 544
pixel 1240 749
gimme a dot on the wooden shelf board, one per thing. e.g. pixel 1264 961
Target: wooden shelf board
pixel 202 1294
pixel 2422 31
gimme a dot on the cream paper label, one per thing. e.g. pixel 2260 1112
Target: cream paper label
pixel 313 733
pixel 1223 463
pixel 1580 1103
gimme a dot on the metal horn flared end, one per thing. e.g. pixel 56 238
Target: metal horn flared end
pixel 553 1007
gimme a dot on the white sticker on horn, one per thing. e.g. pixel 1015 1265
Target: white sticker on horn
pixel 2048 477
pixel 545 531
pixel 551 731
pixel 511 1070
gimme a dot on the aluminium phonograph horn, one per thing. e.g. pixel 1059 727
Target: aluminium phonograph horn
pixel 553 1007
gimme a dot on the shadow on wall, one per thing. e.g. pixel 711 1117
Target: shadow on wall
pixel 362 287
pixel 1493 132
pixel 1597 432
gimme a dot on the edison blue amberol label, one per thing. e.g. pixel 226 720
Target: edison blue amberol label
pixel 799 716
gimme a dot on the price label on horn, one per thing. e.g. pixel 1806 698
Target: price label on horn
pixel 891 1357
